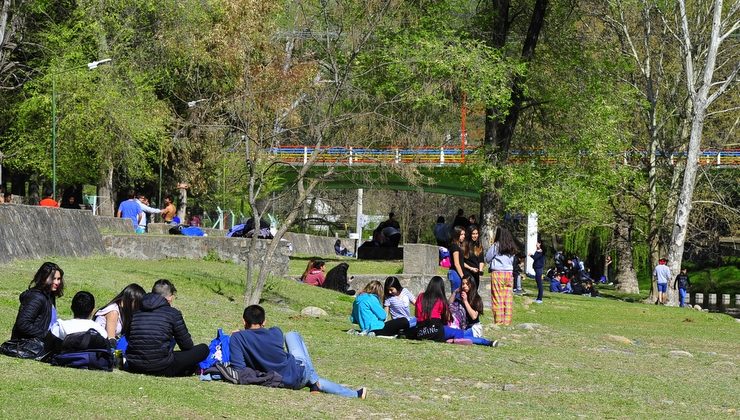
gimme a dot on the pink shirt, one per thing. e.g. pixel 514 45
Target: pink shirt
pixel 315 278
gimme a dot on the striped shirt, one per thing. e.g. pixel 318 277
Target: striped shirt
pixel 399 305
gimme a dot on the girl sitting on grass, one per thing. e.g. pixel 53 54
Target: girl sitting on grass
pixel 398 299
pixel 471 308
pixel 115 316
pixel 368 313
pixel 433 312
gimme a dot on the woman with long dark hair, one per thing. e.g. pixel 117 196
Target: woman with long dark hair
pixel 456 273
pixel 500 257
pixel 368 313
pixel 473 255
pixel 116 315
pixel 38 304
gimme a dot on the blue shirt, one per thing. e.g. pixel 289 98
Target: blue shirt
pixel 262 350
pixel 368 313
pixel 130 209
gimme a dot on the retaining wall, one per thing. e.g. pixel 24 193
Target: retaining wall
pixel 155 247
pixel 315 245
pixel 28 232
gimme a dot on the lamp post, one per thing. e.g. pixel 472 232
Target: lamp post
pixel 90 66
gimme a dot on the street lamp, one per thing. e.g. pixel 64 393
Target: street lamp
pixel 90 66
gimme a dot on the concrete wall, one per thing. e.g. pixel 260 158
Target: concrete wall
pixel 420 259
pixel 315 245
pixel 164 229
pixel 155 247
pixel 38 232
pixel 108 225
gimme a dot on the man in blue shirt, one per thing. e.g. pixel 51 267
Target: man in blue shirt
pixel 261 349
pixel 130 209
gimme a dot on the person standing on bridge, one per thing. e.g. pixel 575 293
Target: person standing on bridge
pixel 500 257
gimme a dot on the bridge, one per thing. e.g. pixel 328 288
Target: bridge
pixel 456 155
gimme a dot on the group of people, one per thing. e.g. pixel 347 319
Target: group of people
pixel 662 276
pixel 336 279
pixel 136 208
pixel 569 275
pixel 467 260
pixel 150 327
pixel 383 310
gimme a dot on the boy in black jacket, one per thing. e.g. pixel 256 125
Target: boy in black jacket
pixel 683 283
pixel 154 330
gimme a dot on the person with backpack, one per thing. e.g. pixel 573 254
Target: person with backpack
pixel 263 349
pixel 153 329
pixel 80 342
pixel 83 305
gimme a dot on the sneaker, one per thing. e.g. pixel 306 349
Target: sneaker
pixel 362 393
pixel 314 388
pixel 370 334
pixel 496 343
pixel 538 301
pixel 228 373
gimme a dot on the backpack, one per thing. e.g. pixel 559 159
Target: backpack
pixel 85 350
pixel 218 351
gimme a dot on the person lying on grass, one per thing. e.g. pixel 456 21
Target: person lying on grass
pixel 259 348
pixel 368 313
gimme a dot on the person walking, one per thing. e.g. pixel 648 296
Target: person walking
pixel 662 275
pixel 683 283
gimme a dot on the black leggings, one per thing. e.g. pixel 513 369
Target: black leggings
pixel 186 361
pixel 393 327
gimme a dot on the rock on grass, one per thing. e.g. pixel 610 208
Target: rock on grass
pixel 313 311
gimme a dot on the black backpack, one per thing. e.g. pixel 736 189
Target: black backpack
pixel 85 350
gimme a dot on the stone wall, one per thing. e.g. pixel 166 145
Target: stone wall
pixel 420 259
pixel 108 225
pixel 164 229
pixel 155 247
pixel 315 245
pixel 28 232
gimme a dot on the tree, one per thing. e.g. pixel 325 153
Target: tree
pixel 701 47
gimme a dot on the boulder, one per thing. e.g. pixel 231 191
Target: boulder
pixel 680 353
pixel 313 312
pixel 619 339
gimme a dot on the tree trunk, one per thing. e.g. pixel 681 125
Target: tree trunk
pixel 626 276
pixel 106 200
pixel 499 133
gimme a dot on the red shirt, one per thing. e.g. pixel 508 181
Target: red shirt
pixel 315 278
pixel 437 310
pixel 48 202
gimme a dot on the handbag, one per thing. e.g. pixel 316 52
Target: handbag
pixel 25 348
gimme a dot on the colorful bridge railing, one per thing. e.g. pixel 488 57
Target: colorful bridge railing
pixel 456 155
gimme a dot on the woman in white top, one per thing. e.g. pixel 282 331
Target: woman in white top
pixel 115 317
pixel 398 299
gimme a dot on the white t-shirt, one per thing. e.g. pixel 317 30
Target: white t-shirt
pixel 399 305
pixel 61 328
pixel 662 273
pixel 100 317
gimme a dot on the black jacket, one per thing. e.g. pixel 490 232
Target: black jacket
pixel 34 314
pixel 152 330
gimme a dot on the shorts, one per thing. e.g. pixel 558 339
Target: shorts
pixel 662 287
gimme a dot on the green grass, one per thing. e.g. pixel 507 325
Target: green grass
pixel 566 367
pixel 716 280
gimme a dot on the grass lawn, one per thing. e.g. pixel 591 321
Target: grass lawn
pixel 585 357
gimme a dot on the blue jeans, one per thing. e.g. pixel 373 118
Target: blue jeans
pixel 297 347
pixel 455 280
pixel 682 296
pixel 458 334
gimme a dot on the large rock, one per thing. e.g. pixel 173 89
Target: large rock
pixel 619 339
pixel 313 311
pixel 420 259
pixel 680 353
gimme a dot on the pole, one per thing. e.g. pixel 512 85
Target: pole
pixel 54 137
pixel 159 199
pixel 463 133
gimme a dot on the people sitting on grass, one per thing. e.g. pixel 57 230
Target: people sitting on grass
pixel 309 267
pixel 316 277
pixel 261 349
pixel 116 315
pixel 83 305
pixel 154 328
pixel 397 299
pixel 368 313
pixel 37 312
pixel 339 249
pixel 433 316
pixel 336 279
pixel 466 307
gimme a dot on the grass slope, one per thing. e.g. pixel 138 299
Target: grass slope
pixel 568 366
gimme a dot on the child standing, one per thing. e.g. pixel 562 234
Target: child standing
pixel 500 257
pixel 683 283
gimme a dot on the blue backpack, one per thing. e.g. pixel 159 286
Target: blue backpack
pixel 85 350
pixel 218 350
